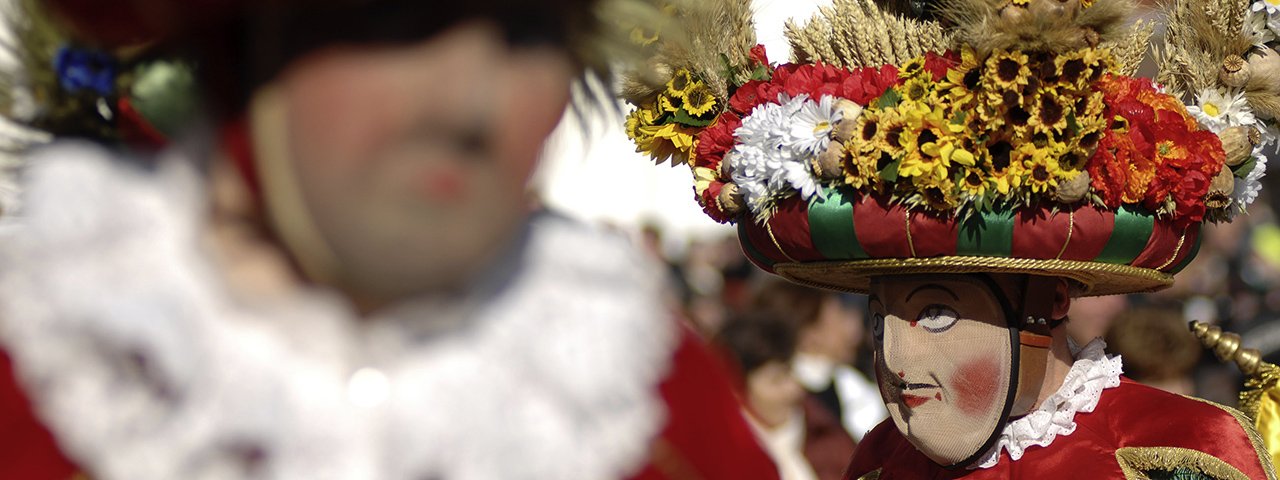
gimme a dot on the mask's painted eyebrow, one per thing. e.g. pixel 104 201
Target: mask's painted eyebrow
pixel 930 286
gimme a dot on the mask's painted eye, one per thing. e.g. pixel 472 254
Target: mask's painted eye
pixel 937 318
pixel 877 325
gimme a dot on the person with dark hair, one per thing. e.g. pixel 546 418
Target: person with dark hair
pixel 1153 344
pixel 828 336
pixel 326 267
pixel 805 440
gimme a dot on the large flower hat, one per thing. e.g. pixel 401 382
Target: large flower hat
pixel 974 136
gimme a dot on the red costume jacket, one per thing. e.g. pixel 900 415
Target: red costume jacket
pixel 1134 429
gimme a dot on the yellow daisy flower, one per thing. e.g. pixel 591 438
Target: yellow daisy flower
pixel 963 80
pixel 669 141
pixel 893 129
pixel 868 135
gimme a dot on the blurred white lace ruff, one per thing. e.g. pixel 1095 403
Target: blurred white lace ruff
pixel 144 368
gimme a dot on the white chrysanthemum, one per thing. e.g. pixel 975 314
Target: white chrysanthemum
pixel 771 158
pixel 1261 28
pixel 1217 111
pixel 1246 191
pixel 811 128
pixel 1272 7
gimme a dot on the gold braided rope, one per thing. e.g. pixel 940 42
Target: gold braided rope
pixel 1094 278
pixel 1176 251
pixel 769 228
pixel 1070 228
pixel 910 243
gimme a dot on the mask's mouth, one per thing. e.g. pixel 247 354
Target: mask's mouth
pixel 914 395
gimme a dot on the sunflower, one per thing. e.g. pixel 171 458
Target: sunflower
pixel 1050 111
pixel 913 68
pixel 681 83
pixel 937 193
pixel 667 141
pixel 1006 168
pixel 641 117
pixel 868 133
pixel 669 103
pixel 1007 70
pixel 923 156
pixel 963 80
pixel 974 184
pixel 917 89
pixel 699 101
pixel 862 168
pixel 892 133
pixel 1042 171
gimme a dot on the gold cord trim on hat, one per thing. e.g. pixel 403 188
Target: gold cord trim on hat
pixel 1070 228
pixel 1176 251
pixel 1094 278
pixel 769 228
pixel 910 242
pixel 1136 462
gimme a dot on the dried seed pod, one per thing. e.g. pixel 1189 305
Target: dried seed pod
pixel 1073 190
pixel 830 163
pixel 848 124
pixel 1220 189
pixel 1235 72
pixel 1239 142
pixel 1264 71
pixel 730 200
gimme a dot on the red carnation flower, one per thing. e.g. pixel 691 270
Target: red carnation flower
pixel 716 140
pixel 711 206
pixel 758 55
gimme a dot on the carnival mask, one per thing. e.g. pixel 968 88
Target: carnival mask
pixel 945 359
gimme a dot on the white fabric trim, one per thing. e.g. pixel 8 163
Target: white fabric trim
pixel 1091 373
pixel 144 367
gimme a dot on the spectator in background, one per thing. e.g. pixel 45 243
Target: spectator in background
pixel 828 336
pixel 1156 350
pixel 805 440
pixel 1091 317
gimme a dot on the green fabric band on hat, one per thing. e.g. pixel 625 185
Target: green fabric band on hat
pixel 1129 237
pixel 987 235
pixel 831 226
pixel 748 247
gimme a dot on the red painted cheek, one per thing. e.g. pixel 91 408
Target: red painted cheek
pixel 975 385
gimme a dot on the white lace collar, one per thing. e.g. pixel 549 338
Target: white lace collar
pixel 144 368
pixel 1091 373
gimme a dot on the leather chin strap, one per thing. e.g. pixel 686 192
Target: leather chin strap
pixel 1035 324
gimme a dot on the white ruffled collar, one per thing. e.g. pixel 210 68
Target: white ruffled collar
pixel 1091 373
pixel 144 368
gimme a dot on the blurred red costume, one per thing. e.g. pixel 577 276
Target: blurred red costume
pixel 704 436
pixel 1135 428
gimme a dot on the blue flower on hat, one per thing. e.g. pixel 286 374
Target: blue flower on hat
pixel 81 69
